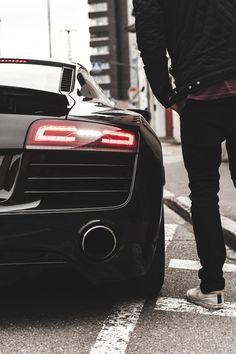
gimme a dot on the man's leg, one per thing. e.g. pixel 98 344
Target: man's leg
pixel 201 135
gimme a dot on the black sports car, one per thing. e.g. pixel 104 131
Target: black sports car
pixel 81 181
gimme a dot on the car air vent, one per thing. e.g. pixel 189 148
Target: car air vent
pixel 66 81
pixel 75 179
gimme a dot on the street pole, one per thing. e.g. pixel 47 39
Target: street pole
pixel 69 51
pixel 148 96
pixel 69 47
pixel 49 29
pixel 118 63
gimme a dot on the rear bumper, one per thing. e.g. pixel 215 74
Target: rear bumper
pixel 57 238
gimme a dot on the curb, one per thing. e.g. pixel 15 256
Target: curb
pixel 181 205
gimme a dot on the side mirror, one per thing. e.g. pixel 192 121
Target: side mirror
pixel 146 114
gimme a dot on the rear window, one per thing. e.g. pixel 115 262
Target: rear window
pixel 31 76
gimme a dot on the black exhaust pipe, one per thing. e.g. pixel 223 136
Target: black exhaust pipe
pixel 99 242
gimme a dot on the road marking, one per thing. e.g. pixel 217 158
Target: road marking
pixel 170 230
pixel 195 265
pixel 183 306
pixel 117 328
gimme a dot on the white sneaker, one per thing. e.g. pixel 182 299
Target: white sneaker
pixel 213 300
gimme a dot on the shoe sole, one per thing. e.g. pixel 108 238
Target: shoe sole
pixel 207 306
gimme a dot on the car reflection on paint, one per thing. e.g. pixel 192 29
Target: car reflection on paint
pixel 81 181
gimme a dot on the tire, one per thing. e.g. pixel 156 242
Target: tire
pixel 151 283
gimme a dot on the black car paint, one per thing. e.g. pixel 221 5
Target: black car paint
pixel 34 235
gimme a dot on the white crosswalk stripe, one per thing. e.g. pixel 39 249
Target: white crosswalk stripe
pixel 183 306
pixel 195 265
pixel 117 328
pixel 170 230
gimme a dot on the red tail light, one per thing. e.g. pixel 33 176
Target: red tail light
pixel 14 61
pixel 55 134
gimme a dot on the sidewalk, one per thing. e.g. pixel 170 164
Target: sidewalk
pixel 177 185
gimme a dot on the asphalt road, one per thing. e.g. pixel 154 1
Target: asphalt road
pixel 49 314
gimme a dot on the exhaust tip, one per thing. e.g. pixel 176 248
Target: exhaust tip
pixel 99 242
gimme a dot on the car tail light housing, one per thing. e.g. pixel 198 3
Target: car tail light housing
pixel 68 134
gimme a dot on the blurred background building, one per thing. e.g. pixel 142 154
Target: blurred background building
pixel 109 46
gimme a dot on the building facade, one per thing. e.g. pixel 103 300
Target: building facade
pixel 109 45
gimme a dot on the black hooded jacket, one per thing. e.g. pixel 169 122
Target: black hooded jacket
pixel 200 37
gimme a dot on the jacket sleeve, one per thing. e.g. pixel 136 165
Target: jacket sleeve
pixel 150 29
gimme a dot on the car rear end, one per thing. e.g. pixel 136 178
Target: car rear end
pixel 84 192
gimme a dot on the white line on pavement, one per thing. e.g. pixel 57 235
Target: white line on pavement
pixel 182 306
pixel 195 265
pixel 117 328
pixel 170 230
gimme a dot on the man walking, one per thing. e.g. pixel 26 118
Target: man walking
pixel 200 37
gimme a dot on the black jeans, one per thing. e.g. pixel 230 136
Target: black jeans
pixel 204 126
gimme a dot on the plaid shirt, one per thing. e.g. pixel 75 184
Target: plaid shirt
pixel 223 89
pixel 226 88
